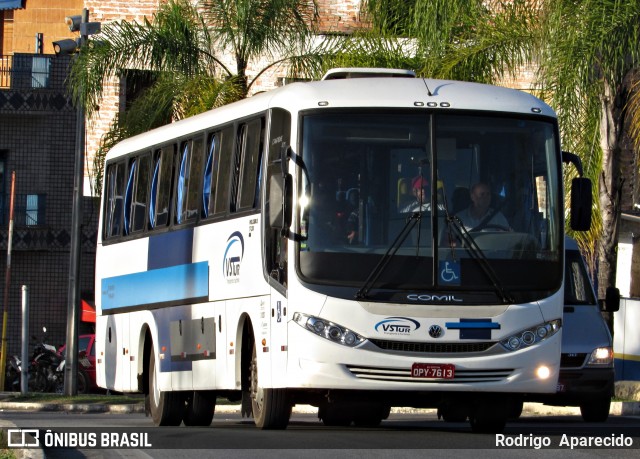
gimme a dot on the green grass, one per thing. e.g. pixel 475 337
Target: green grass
pixel 86 398
pixel 5 452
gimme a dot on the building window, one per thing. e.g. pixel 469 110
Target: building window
pixel 31 210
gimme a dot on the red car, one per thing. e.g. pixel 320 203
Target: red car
pixel 86 363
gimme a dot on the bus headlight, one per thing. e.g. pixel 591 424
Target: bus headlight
pixel 531 336
pixel 601 356
pixel 328 330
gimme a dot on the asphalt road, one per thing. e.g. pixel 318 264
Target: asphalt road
pixel 401 436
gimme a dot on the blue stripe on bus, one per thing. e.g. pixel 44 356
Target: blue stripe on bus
pixel 170 249
pixel 177 283
pixel 474 328
pixel 473 324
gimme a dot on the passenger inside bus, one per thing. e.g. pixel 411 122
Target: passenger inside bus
pixel 421 196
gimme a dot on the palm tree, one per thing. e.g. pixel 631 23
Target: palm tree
pixel 591 49
pixel 251 30
pixel 181 48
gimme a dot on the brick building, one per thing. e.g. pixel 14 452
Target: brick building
pixel 37 141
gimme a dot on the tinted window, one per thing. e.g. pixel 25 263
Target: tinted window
pixel 114 200
pixel 161 187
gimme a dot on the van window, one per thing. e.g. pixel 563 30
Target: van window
pixel 577 288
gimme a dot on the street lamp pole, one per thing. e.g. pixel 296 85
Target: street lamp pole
pixel 71 365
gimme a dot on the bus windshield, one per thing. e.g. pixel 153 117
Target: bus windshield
pixel 453 203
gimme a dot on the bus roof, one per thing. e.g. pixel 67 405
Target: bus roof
pixel 351 92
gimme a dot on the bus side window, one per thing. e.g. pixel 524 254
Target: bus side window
pixel 246 166
pixel 189 176
pixel 114 201
pixel 138 205
pixel 210 180
pixel 251 160
pixel 128 195
pixel 161 187
pixel 225 157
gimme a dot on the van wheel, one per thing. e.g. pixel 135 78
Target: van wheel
pixel 166 408
pixel 596 410
pixel 271 407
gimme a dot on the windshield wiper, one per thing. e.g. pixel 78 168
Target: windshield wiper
pixel 412 221
pixel 477 254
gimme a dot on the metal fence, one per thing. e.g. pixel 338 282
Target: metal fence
pixel 25 71
pixel 28 209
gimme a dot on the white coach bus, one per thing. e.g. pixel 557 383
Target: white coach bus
pixel 284 250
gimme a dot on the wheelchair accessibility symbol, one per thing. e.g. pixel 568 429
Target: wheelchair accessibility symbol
pixel 450 272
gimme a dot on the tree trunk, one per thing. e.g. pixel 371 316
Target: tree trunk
pixel 611 128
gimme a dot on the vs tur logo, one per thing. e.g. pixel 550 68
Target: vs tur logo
pixel 397 326
pixel 233 258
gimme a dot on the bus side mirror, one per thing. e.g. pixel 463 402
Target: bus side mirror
pixel 611 302
pixel 581 204
pixel 280 201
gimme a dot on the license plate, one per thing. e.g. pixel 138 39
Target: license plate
pixel 432 371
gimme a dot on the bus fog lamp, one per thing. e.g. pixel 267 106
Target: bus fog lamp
pixel 543 372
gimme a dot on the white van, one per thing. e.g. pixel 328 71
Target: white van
pixel 586 368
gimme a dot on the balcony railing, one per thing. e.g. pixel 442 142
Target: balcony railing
pixel 28 209
pixel 25 71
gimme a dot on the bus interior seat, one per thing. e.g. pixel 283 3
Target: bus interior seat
pixel 403 196
pixel 460 199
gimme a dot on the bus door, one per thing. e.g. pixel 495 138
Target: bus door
pixel 275 250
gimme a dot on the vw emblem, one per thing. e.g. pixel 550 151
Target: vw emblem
pixel 435 331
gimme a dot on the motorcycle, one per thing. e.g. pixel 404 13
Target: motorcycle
pixel 46 370
pixel 12 374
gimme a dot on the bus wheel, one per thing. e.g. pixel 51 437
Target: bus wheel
pixel 271 408
pixel 166 407
pixel 370 415
pixel 596 410
pixel 457 413
pixel 200 408
pixel 334 415
pixel 489 415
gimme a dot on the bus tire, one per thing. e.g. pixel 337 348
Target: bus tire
pixel 334 415
pixel 489 415
pixel 271 407
pixel 166 408
pixel 371 415
pixel 596 410
pixel 200 408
